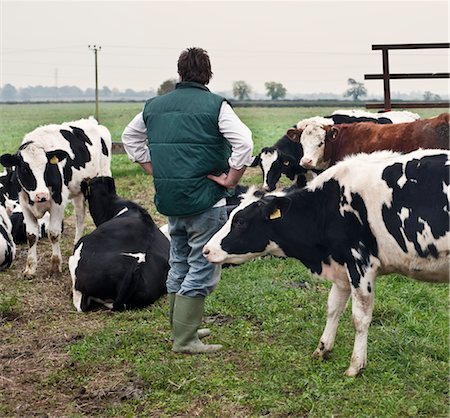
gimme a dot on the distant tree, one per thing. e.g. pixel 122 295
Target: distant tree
pixel 241 90
pixel 356 89
pixel 9 93
pixel 89 92
pixel 105 92
pixel 275 90
pixel 167 86
pixel 429 96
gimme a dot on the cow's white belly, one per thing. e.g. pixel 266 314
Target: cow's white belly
pixel 334 272
pixel 425 269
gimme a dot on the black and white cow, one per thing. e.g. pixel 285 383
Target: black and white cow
pixel 369 215
pixel 284 159
pixel 50 165
pixel 355 116
pixel 9 198
pixel 123 263
pixel 19 231
pixel 7 245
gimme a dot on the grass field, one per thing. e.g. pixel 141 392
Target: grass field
pixel 269 315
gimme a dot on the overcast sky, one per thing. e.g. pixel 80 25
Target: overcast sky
pixel 308 46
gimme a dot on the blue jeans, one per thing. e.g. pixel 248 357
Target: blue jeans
pixel 190 273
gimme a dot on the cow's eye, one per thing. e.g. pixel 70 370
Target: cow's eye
pixel 239 222
pixel 320 144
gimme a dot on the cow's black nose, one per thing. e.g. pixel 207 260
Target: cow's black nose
pixel 206 251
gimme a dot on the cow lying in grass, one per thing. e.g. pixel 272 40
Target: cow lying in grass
pixel 369 215
pixel 7 245
pixel 123 263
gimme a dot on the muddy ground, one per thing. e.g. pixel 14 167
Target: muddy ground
pixel 34 341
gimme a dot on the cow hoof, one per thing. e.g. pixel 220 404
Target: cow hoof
pixel 56 265
pixel 353 371
pixel 28 275
pixel 321 354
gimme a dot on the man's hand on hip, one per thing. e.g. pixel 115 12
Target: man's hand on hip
pixel 229 180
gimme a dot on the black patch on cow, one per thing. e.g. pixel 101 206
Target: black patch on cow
pixel 77 140
pixel 104 147
pixel 344 200
pixel 423 197
pixel 10 185
pixel 340 119
pixel 369 288
pixel 24 145
pixel 53 180
pixel 31 238
pixel 8 251
pixel 19 231
pixel 366 244
pixel 25 176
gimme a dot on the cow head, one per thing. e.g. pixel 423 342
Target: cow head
pixel 100 192
pixel 246 234
pixel 274 163
pixel 314 138
pixel 32 166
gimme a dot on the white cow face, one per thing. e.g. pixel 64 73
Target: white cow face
pixel 34 166
pixel 313 143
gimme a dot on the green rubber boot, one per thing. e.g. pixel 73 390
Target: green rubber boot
pixel 202 333
pixel 187 317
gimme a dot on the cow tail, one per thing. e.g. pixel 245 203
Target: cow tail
pixel 128 286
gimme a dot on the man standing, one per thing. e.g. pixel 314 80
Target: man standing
pixel 196 147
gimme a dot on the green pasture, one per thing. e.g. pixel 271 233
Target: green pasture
pixel 269 315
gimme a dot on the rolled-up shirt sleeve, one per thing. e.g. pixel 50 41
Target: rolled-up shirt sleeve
pixel 238 135
pixel 134 140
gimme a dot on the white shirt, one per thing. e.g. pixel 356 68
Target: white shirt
pixel 134 138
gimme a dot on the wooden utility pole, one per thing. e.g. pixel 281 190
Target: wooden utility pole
pixel 96 48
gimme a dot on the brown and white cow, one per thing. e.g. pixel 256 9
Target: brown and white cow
pixel 324 145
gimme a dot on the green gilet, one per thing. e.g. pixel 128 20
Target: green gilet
pixel 185 146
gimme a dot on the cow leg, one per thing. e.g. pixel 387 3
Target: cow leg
pixel 32 228
pixel 77 296
pixel 54 234
pixel 337 301
pixel 362 308
pixel 80 212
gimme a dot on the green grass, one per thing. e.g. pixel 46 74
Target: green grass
pixel 269 315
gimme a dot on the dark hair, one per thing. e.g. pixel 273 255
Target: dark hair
pixel 194 65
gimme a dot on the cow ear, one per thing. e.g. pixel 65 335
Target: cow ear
pixel 294 134
pixel 256 160
pixel 9 160
pixel 332 133
pixel 110 184
pixel 54 157
pixel 276 207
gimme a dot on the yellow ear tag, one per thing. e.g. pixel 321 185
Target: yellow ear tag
pixel 54 160
pixel 275 214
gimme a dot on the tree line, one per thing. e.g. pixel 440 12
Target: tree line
pixel 9 93
pixel 241 90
